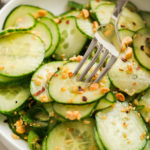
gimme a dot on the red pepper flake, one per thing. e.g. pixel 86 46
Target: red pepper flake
pixel 84 98
pixel 138 68
pixel 67 22
pixel 70 74
pixel 123 59
pixel 142 47
pixel 123 26
pixel 39 92
pixel 134 23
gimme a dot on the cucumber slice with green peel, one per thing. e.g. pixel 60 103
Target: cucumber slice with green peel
pixel 124 33
pixel 72 41
pixel 21 17
pixel 104 13
pixel 119 130
pixel 103 104
pixel 44 33
pixel 69 13
pixel 75 92
pixel 4 80
pixel 33 141
pixel 146 15
pixel 98 140
pixel 20 54
pixel 40 80
pixel 13 97
pixel 145 102
pixel 141 44
pixel 75 5
pixel 86 27
pixel 53 27
pixel 25 22
pixel 129 81
pixel 43 147
pixel 110 97
pixel 82 110
pixel 66 136
pixel 126 20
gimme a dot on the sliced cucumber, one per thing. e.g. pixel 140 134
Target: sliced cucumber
pixel 130 20
pixel 13 97
pixel 131 81
pixel 141 45
pixel 146 15
pixel 98 140
pixel 75 5
pixel 53 27
pixel 69 95
pixel 44 33
pixel 69 13
pixel 117 136
pixel 72 41
pixel 82 110
pixel 21 17
pixel 110 97
pixel 33 140
pixel 67 136
pixel 20 54
pixel 103 104
pixel 145 102
pixel 4 79
pixel 124 33
pixel 40 80
pixel 104 13
pixel 86 27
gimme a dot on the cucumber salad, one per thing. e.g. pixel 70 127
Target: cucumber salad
pixel 44 102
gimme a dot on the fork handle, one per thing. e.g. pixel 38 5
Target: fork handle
pixel 118 8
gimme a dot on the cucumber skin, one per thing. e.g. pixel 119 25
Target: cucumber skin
pixel 4 24
pixel 136 56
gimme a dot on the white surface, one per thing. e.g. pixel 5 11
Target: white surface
pixel 57 7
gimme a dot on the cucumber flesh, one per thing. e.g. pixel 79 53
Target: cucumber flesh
pixel 126 138
pixel 103 104
pixel 53 27
pixel 21 17
pixel 141 43
pixel 69 84
pixel 42 76
pixel 73 13
pixel 110 97
pixel 66 136
pixel 104 13
pixel 20 54
pixel 123 79
pixel 43 147
pixel 84 110
pixel 145 102
pixel 44 33
pixel 72 41
pixel 86 27
pixel 147 147
pixel 13 97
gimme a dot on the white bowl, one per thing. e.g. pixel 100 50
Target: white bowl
pixel 57 7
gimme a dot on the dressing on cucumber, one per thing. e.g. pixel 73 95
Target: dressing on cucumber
pixel 40 80
pixel 119 130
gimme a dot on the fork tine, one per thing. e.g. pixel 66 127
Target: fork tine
pixel 106 52
pixel 106 69
pixel 87 54
pixel 91 63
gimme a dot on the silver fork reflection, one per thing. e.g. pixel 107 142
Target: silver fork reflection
pixel 106 46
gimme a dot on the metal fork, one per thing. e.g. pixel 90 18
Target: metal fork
pixel 105 46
